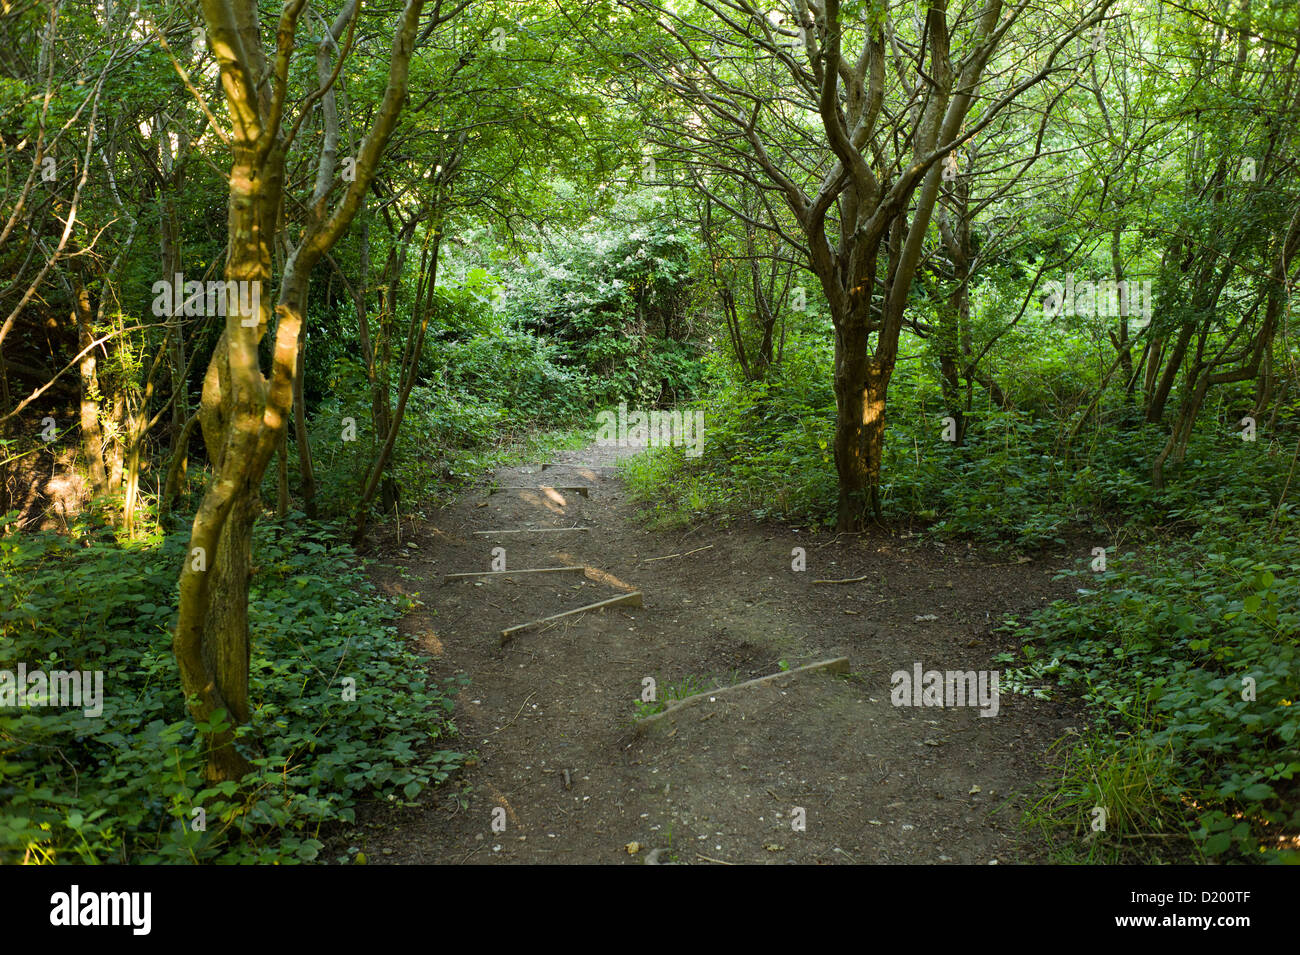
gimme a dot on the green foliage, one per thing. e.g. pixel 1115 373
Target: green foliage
pixel 765 450
pixel 121 787
pixel 1018 481
pixel 1188 659
pixel 480 397
pixel 687 686
pixel 615 300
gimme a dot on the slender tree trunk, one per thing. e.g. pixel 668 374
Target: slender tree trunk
pixel 306 471
pixel 1264 384
pixel 946 344
pixel 282 498
pixel 92 436
pixel 116 450
pixel 176 467
pixel 421 309
pixel 131 477
pixel 1121 340
pixel 169 240
pixel 1160 396
pixel 1152 356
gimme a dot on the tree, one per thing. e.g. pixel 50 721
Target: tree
pixel 869 107
pixel 244 412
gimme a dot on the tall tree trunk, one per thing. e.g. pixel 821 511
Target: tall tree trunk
pixel 169 241
pixel 1121 340
pixel 421 309
pixel 176 468
pixel 1160 396
pixel 116 450
pixel 948 348
pixel 861 385
pixel 243 413
pixel 1152 357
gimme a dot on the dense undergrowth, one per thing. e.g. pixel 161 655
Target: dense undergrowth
pixel 127 785
pixel 1183 644
pixel 495 385
pixel 1186 655
pixel 517 360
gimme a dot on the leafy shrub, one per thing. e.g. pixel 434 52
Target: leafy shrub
pixel 765 450
pixel 615 301
pixel 1194 654
pixel 122 787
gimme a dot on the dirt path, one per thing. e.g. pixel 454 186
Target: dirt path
pixel 550 714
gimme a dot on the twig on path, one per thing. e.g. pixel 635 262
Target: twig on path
pixel 517 712
pixel 468 854
pixel 711 859
pixel 687 554
pixel 833 539
pixel 845 580
pixel 507 573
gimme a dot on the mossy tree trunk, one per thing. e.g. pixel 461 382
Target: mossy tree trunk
pixel 244 413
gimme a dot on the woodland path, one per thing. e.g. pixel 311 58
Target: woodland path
pixel 549 715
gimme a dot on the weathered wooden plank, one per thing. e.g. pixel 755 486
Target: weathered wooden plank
pixel 533 530
pixel 836 665
pixel 507 573
pixel 582 489
pixel 630 600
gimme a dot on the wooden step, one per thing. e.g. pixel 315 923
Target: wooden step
pixel 533 530
pixel 629 600
pixel 507 573
pixel 582 489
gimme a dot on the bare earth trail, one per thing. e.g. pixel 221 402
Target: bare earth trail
pixel 550 714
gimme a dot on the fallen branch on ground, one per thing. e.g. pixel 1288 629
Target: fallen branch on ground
pixel 687 554
pixel 531 530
